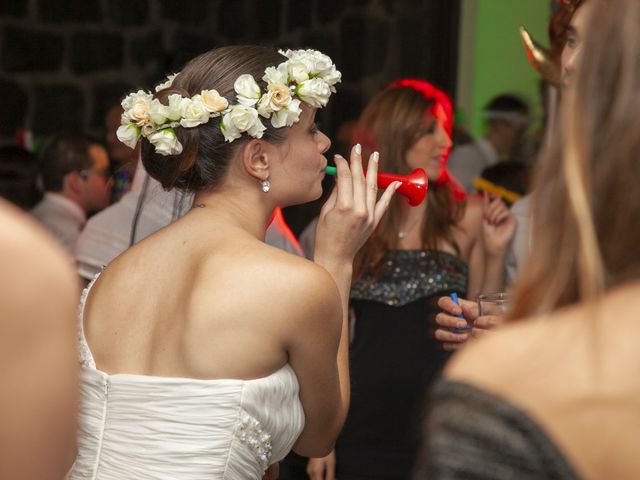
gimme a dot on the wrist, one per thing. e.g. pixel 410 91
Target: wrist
pixel 335 266
pixel 495 255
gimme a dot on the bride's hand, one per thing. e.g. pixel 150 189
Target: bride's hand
pixel 353 210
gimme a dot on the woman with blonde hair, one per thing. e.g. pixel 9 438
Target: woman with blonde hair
pixel 449 243
pixel 557 395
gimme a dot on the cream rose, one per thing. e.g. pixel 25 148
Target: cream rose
pixel 139 112
pixel 276 98
pixel 213 102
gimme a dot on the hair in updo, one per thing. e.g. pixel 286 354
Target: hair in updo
pixel 206 154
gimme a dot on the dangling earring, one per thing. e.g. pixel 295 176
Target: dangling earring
pixel 266 186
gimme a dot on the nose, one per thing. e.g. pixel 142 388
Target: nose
pixel 444 140
pixel 569 59
pixel 324 142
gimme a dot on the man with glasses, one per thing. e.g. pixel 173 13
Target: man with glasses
pixel 76 178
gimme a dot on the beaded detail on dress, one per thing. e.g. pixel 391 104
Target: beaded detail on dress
pixel 412 274
pixel 250 432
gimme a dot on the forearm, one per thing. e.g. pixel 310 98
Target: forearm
pixel 341 271
pixel 494 272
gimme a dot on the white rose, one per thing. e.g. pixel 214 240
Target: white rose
pixel 247 89
pixel 130 99
pixel 315 92
pixel 193 112
pixel 149 128
pixel 331 76
pixel 314 61
pixel 241 119
pixel 297 71
pixel 264 106
pixel 158 113
pixel 167 83
pixel 287 116
pixel 165 142
pixel 213 102
pixel 321 62
pixel 128 134
pixel 174 108
pixel 287 53
pixel 276 75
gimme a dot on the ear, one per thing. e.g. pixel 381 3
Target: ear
pixel 256 158
pixel 74 182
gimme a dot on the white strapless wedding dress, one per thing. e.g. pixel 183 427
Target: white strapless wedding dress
pixel 145 427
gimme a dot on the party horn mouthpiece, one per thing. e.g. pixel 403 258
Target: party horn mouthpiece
pixel 414 185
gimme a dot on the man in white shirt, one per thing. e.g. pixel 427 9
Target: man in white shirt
pixel 508 119
pixel 76 178
pixel 143 210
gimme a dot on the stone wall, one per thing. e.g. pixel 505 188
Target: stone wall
pixel 64 62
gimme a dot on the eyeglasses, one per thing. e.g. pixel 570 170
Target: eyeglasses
pixel 104 172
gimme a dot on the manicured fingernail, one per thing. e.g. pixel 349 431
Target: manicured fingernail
pixel 376 156
pixel 358 149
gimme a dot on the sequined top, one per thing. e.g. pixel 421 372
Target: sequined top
pixel 411 274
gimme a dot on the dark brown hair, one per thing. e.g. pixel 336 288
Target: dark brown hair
pixel 62 154
pixel 206 155
pixel 587 202
pixel 393 121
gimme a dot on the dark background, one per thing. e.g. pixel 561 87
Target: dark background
pixel 64 62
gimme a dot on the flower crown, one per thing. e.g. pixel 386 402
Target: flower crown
pixel 307 74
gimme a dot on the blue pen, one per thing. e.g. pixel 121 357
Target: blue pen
pixel 454 297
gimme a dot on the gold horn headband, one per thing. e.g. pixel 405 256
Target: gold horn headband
pixel 540 58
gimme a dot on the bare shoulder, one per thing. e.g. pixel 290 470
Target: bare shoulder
pixel 501 356
pixel 291 295
pixel 37 283
pixel 28 251
pixel 295 283
pixel 531 358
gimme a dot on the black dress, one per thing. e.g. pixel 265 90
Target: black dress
pixel 394 357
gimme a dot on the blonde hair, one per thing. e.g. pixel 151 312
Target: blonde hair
pixel 586 216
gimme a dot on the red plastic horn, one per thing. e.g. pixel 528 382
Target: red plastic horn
pixel 414 186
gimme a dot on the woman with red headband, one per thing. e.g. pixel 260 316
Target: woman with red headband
pixel 447 244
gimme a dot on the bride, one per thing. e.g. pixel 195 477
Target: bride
pixel 207 353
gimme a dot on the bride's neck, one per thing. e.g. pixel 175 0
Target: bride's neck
pixel 246 211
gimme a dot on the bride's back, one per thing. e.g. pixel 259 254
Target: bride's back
pixel 195 311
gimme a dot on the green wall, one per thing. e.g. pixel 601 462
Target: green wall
pixel 491 56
